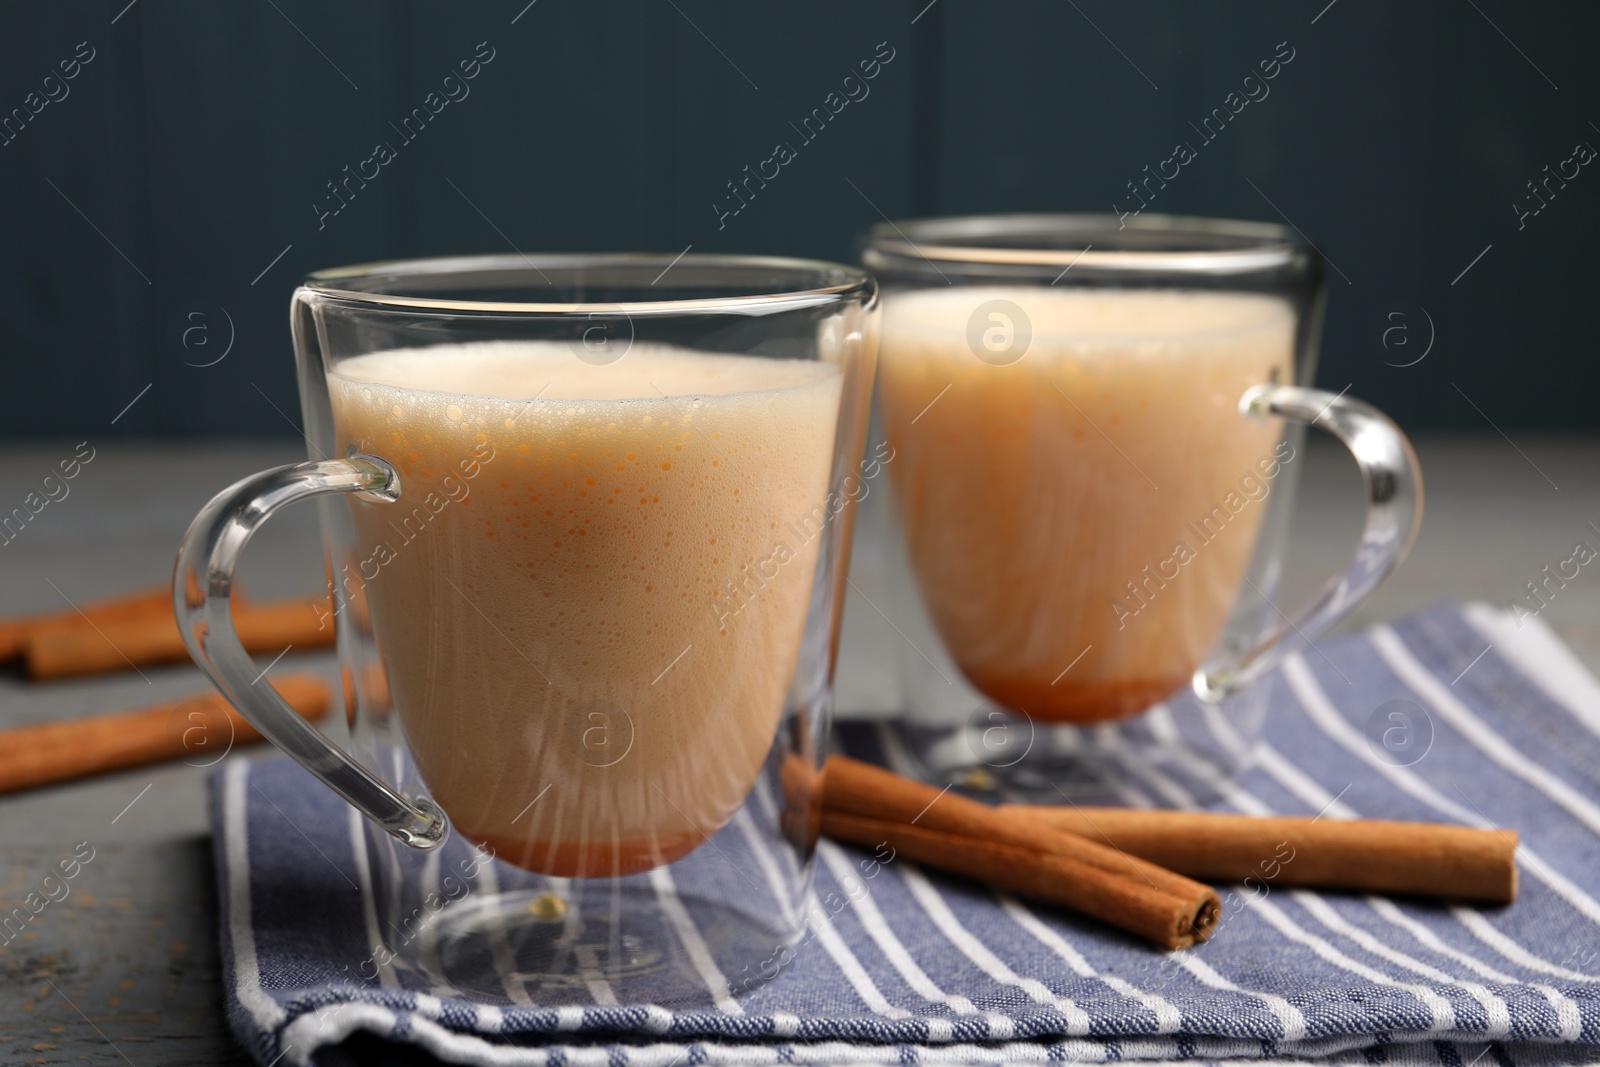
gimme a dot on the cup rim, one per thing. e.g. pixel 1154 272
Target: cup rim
pixel 999 240
pixel 830 283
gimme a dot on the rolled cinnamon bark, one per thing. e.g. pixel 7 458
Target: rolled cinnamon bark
pixel 199 727
pixel 1366 855
pixel 79 646
pixel 1129 904
pixel 153 603
pixel 1012 848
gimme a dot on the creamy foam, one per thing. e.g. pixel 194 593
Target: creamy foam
pixel 546 609
pixel 1032 493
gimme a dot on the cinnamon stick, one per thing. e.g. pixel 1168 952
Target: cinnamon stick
pixel 145 604
pixel 1126 903
pixel 201 728
pixel 1366 855
pixel 1011 848
pixel 79 646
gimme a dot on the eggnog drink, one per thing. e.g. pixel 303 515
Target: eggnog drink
pixel 541 592
pixel 1093 504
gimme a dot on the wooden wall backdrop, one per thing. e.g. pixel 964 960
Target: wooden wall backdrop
pixel 170 186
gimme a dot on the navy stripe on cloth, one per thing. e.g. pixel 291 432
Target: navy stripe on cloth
pixel 928 969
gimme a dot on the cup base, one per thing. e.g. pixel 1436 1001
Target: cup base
pixel 602 942
pixel 1178 754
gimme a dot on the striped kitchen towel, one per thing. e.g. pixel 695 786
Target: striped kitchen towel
pixel 1502 729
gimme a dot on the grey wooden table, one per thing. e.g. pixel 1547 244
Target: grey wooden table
pixel 125 969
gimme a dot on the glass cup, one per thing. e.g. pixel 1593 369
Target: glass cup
pixel 1095 426
pixel 585 572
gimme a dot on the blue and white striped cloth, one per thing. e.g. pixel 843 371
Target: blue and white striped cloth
pixel 930 969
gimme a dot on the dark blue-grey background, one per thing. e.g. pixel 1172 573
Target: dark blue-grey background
pixel 191 150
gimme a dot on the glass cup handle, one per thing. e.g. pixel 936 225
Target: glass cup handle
pixel 201 585
pixel 1394 512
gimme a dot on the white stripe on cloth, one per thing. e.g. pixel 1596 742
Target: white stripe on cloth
pixel 1171 794
pixel 593 975
pixel 764 860
pixel 1327 718
pixel 693 943
pixel 1486 932
pixel 877 928
pixel 1226 735
pixel 505 962
pixel 833 944
pixel 587 957
pixel 979 953
pixel 1302 785
pixel 1296 781
pixel 1534 650
pixel 1108 740
pixel 785 1024
pixel 1478 733
pixel 821 927
pixel 369 906
pixel 1290 1018
pixel 267 1013
pixel 428 934
pixel 1307 789
pixel 1569 1020
pixel 1395 917
pixel 854 973
pixel 769 809
pixel 1168 1018
pixel 1496 1012
pixel 1165 732
pixel 1442 1011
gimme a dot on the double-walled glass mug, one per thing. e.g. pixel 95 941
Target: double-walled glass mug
pixel 586 520
pixel 1096 427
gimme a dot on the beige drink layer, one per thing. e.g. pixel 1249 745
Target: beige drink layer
pixel 1101 493
pixel 546 620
